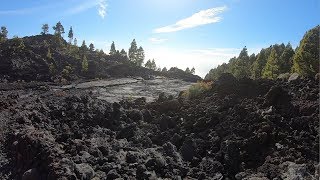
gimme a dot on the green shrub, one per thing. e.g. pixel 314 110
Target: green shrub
pixel 197 89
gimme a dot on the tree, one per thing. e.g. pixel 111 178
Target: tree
pixel 306 59
pixel 164 69
pixel 271 70
pixel 83 47
pixel 286 59
pixel 84 64
pixel 242 64
pixel 75 42
pixel 113 50
pixel 151 64
pixel 260 62
pixel 18 44
pixel 123 53
pixel 193 70
pixel 133 51
pixel 187 70
pixel 45 29
pixel 58 29
pixel 140 57
pixel 91 47
pixel 3 33
pixel 70 35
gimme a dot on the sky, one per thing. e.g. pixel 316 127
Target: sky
pixel 176 33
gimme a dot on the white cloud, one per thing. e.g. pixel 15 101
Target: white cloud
pixel 102 9
pixel 157 40
pixel 88 4
pixel 203 17
pixel 81 7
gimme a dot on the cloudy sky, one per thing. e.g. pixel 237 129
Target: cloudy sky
pixel 182 33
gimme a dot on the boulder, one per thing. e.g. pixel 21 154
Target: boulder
pixel 84 171
pixel 292 170
pixel 317 77
pixel 275 96
pixel 113 174
pixel 294 77
pixel 284 76
pixel 226 84
pixel 136 115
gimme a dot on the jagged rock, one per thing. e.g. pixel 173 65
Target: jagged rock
pixel 84 171
pixel 31 174
pixel 146 115
pixel 292 170
pixel 113 174
pixel 226 84
pixel 317 77
pixel 293 77
pixel 276 96
pixel 188 149
pixel 136 115
pixel 284 76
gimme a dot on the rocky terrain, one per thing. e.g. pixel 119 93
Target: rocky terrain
pixel 240 129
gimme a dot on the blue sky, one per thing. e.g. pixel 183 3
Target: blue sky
pixel 182 33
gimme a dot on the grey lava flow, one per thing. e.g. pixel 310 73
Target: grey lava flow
pixel 240 129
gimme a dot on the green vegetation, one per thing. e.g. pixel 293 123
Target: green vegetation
pixel 197 89
pixel 136 55
pixel 58 29
pixel 192 71
pixel 274 60
pixel 151 64
pixel 56 59
pixel 45 29
pixel 113 50
pixel 85 65
pixel 306 59
pixel 70 35
pixel 3 33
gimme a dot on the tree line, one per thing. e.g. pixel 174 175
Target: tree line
pixel 135 54
pixel 275 60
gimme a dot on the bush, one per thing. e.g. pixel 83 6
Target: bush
pixel 197 89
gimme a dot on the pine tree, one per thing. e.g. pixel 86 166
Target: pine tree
pixel 91 47
pixel 45 29
pixel 84 64
pixel 70 35
pixel 140 57
pixel 123 53
pixel 187 70
pixel 83 47
pixel 148 64
pixel 271 70
pixel 3 33
pixel 306 59
pixel 193 70
pixel 164 69
pixel 113 50
pixel 242 64
pixel 153 65
pixel 133 50
pixel 260 62
pixel 286 59
pixel 75 42
pixel 58 29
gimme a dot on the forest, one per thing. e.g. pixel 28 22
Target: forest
pixel 276 60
